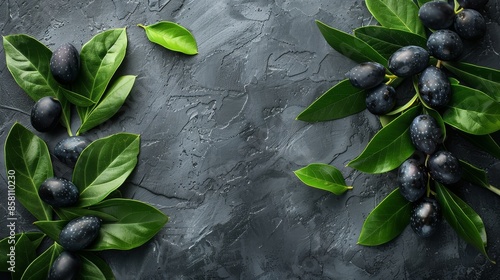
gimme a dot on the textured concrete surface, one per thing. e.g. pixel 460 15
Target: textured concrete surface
pixel 220 141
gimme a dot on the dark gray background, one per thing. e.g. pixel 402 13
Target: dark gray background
pixel 220 142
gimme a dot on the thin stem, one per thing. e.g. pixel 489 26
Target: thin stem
pixel 391 79
pixel 493 189
pixel 70 133
pixel 429 191
pixel 438 64
pixel 457 7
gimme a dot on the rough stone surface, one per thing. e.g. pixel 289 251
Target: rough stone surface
pixel 220 141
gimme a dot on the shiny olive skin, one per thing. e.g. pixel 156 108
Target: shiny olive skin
pixel 445 45
pixel 65 267
pixel 470 24
pixel 434 87
pixel 69 149
pixel 425 217
pixel 425 134
pixel 381 99
pixel 408 61
pixel 444 167
pixel 366 75
pixel 45 114
pixel 79 233
pixel 58 192
pixel 436 15
pixel 65 64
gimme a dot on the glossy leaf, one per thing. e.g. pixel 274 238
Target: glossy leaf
pixel 28 156
pixel 100 58
pixel 24 252
pixel 340 101
pixel 386 221
pixel 90 271
pixel 39 268
pixel 404 107
pixel 462 218
pixel 472 111
pixel 136 223
pixel 388 40
pixel 28 61
pixel 99 264
pixel 69 213
pixel 51 228
pixel 5 244
pixel 324 177
pixel 397 14
pixel 481 78
pixel 477 177
pixel 390 147
pixel 109 105
pixel 78 99
pixel 350 46
pixel 104 165
pixel 484 142
pixel 172 36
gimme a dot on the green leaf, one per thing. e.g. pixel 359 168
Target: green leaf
pixel 462 218
pixel 23 251
pixel 28 157
pixel 477 177
pixel 323 177
pixel 388 40
pixel 135 224
pixel 481 78
pixel 453 81
pixel 484 142
pixel 104 165
pixel 338 102
pixel 69 213
pixel 77 99
pixel 397 14
pixel 350 46
pixel 28 61
pixel 472 111
pixel 386 221
pixel 51 228
pixel 390 147
pixel 100 58
pixel 8 244
pixel 404 107
pixel 171 36
pixel 90 271
pixel 100 264
pixel 109 105
pixel 39 268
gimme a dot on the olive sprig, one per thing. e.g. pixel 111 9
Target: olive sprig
pixel 412 136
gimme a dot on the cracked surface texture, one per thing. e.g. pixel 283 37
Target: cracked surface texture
pixel 220 141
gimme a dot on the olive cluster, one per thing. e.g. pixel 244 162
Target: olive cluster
pixel 59 192
pixel 76 235
pixel 417 174
pixel 443 44
pixel 448 27
pixel 47 111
